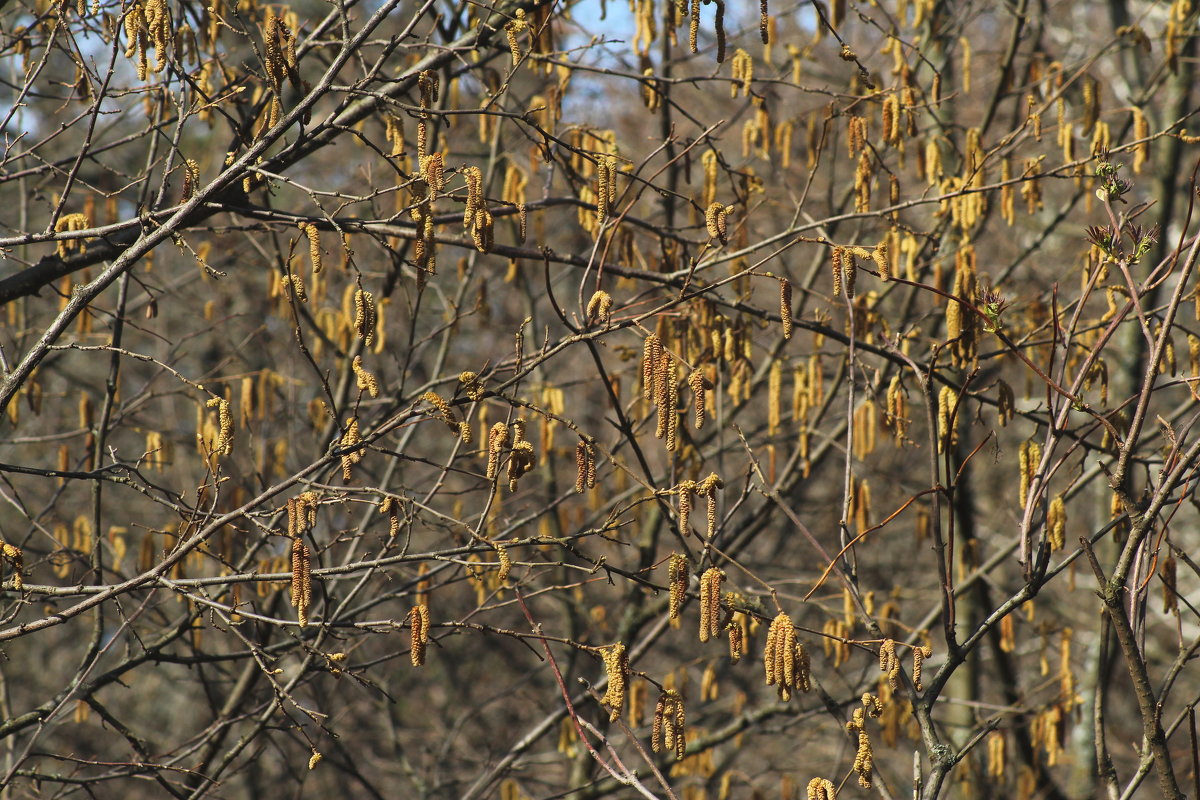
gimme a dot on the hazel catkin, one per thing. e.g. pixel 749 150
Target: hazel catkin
pixel 668 733
pixel 785 660
pixel 497 440
pixel 677 581
pixel 651 356
pixel 864 760
pixel 301 591
pixel 364 379
pixel 16 558
pixel 585 470
pixel 919 655
pixel 710 602
pixel 684 490
pixel 785 306
pixel 616 665
pixel 821 789
pixel 716 221
pixel 836 263
pixel 418 626
pixel 599 308
pixel 698 384
pixel 737 642
pixel 707 489
pixel 889 663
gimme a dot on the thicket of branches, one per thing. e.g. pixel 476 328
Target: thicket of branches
pixel 648 399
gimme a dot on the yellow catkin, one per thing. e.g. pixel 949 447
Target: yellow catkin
pixel 522 222
pixel 433 172
pixel 651 356
pixel 697 383
pixel 821 789
pixel 1065 673
pixel 505 562
pixel 785 307
pixel 707 489
pixel 191 178
pixel 996 767
pixel 694 26
pixel 616 666
pixel 521 460
pixel 785 661
pixel 1007 193
pixel 947 433
pixel 224 442
pixel 511 29
pixel 606 187
pixel 16 559
pixel 418 627
pixel 1141 132
pixel 864 760
pixel 880 256
pixel 710 603
pixel 1008 641
pixel 742 71
pixel 774 392
pixel 965 44
pixel 863 174
pixel 296 284
pixel 661 391
pixel 889 663
pixel 1056 523
pixel 365 380
pixel 672 404
pixel 919 656
pixel 314 245
pixel 872 705
pixel 837 271
pixel 443 410
pixel 497 440
pixel 953 320
pixel 716 221
pixel 933 162
pixel 897 409
pixel 1005 404
pixel 583 467
pixel 856 136
pixel 1029 458
pixel 891 118
pixel 737 643
pixel 365 316
pixel 677 581
pixel 301 594
pixel 668 730
pixel 471 385
pixel 600 308
pixel 710 688
pixel 637 703
pixel 709 161
pixel 391 508
pixel 685 490
pixel 835 642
